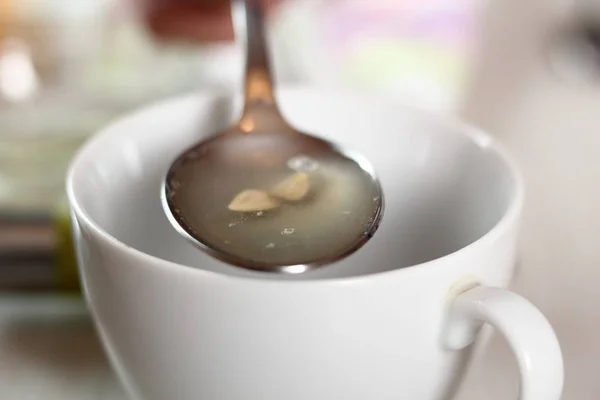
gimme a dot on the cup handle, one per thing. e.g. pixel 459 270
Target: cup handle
pixel 526 330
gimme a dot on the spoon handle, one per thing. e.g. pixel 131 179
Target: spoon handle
pixel 249 23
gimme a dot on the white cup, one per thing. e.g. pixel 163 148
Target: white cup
pixel 396 320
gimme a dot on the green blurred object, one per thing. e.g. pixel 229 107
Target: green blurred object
pixel 66 261
pixel 37 252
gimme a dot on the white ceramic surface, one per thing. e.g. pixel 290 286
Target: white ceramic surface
pixel 177 324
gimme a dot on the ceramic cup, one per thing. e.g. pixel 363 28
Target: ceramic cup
pixel 398 319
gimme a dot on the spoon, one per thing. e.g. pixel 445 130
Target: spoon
pixel 260 144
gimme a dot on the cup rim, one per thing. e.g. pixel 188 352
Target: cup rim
pixel 477 136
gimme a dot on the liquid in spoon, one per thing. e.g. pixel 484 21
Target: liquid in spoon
pixel 288 211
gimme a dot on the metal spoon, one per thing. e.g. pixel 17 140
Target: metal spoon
pixel 261 129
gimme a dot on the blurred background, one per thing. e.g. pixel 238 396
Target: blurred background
pixel 527 71
pixel 68 67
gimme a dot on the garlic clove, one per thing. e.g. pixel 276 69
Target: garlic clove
pixel 253 200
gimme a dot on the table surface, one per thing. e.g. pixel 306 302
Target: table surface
pixel 49 350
